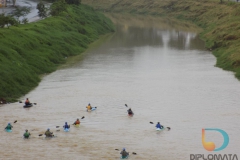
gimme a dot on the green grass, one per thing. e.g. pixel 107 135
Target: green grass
pixel 27 51
pixel 220 22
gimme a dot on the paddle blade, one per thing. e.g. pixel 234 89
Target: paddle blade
pixel 134 153
pixel 40 134
pixel 168 128
pixel 151 122
pixel 57 126
pixel 35 103
pixel 126 105
pixel 117 149
pixel 83 117
pixel 20 101
pixel 15 121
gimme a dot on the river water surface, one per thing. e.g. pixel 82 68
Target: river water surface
pixel 163 73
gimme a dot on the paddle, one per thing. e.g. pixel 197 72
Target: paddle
pixel 126 105
pixel 128 152
pixel 15 121
pixel 42 134
pixel 30 103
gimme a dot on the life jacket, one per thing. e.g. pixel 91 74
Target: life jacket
pixel 48 133
pixel 66 126
pixel 26 134
pixel 77 122
pixel 9 127
pixel 89 107
pixel 158 125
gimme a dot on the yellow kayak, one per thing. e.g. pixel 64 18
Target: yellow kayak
pixel 77 125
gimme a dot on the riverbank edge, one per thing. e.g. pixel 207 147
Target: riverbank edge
pixel 35 49
pixel 220 22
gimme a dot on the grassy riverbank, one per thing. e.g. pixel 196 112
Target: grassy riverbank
pixel 30 50
pixel 220 22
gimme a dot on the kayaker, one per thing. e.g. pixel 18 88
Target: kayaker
pixel 130 111
pixel 76 122
pixel 89 107
pixel 26 134
pixel 48 133
pixel 159 125
pixel 27 102
pixel 9 127
pixel 66 126
pixel 124 153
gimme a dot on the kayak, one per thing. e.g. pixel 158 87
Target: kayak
pixel 77 125
pixel 160 129
pixel 93 109
pixel 131 114
pixel 67 129
pixel 124 157
pixel 8 130
pixel 28 105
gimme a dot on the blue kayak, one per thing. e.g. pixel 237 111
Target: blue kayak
pixel 28 105
pixel 8 130
pixel 93 109
pixel 124 157
pixel 67 129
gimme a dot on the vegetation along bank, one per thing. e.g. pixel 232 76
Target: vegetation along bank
pixel 30 50
pixel 219 19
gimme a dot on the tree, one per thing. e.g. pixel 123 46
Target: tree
pixel 42 10
pixel 7 21
pixel 57 7
pixel 76 2
pixel 20 12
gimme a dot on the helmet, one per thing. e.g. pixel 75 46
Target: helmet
pixel 26 130
pixel 65 122
pixel 48 129
pixel 9 123
pixel 88 103
pixel 123 149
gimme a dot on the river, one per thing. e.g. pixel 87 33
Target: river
pixel 162 72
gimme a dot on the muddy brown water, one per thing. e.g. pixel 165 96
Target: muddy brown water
pixel 163 73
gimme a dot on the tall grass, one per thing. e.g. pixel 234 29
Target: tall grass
pixel 28 51
pixel 220 22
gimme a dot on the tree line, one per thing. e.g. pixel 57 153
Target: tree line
pixel 57 6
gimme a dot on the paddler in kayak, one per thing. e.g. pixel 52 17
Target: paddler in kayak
pixel 27 102
pixel 9 127
pixel 77 122
pixel 66 126
pixel 124 153
pixel 48 133
pixel 130 112
pixel 159 125
pixel 26 134
pixel 89 107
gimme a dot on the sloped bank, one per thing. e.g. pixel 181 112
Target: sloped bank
pixel 30 50
pixel 220 22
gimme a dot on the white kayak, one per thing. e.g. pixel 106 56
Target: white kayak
pixel 160 129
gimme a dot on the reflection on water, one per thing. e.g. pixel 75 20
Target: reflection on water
pixel 162 74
